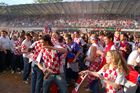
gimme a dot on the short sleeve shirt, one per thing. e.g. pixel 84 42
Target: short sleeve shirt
pixel 114 76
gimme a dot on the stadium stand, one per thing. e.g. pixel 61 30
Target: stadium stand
pixel 96 14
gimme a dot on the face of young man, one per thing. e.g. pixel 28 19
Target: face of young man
pixel 68 41
pixel 3 34
pixel 28 37
pixel 106 40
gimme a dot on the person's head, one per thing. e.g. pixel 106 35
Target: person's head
pixel 123 36
pixel 117 34
pixel 61 39
pixel 14 37
pixel 46 40
pixel 114 58
pixel 3 33
pixel 108 38
pixel 77 34
pixel 101 35
pixel 68 39
pixel 94 39
pixel 32 33
pixel 28 36
pixel 55 35
pixel 23 32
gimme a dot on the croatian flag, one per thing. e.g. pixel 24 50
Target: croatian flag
pixel 78 83
pixel 47 28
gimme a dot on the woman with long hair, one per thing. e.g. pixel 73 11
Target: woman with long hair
pixel 112 74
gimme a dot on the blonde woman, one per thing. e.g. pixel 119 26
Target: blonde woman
pixel 113 73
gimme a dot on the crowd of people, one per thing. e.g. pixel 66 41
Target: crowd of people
pixel 102 23
pixel 94 21
pixel 59 58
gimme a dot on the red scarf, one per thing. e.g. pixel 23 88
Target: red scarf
pixel 116 38
pixel 108 47
pixel 106 50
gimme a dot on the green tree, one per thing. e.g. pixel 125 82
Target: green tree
pixel 47 1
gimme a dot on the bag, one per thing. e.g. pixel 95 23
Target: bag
pixel 132 76
pixel 70 57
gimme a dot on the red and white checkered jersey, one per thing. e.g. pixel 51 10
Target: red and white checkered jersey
pixel 51 60
pixel 111 75
pixel 17 50
pixel 37 48
pixel 93 67
pixel 62 56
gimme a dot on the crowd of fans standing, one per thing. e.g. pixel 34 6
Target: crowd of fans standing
pixel 58 57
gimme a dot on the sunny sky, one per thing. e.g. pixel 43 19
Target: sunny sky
pixel 13 2
pixel 16 2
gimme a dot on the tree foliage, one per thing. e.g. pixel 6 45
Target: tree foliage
pixel 47 1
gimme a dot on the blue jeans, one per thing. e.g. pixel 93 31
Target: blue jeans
pixel 37 79
pixel 58 80
pixel 26 69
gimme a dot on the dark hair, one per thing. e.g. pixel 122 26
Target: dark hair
pixel 125 35
pixel 69 37
pixel 4 31
pixel 77 32
pixel 57 33
pixel 60 39
pixel 101 33
pixel 48 39
pixel 28 34
pixel 109 35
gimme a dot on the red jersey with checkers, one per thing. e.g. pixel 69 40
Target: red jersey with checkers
pixel 110 75
pixel 17 50
pixel 37 49
pixel 93 67
pixel 51 60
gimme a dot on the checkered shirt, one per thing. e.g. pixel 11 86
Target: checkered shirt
pixel 93 67
pixel 23 47
pixel 51 60
pixel 17 51
pixel 37 49
pixel 110 75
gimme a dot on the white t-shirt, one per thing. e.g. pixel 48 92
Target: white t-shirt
pixel 113 47
pixel 27 44
pixel 132 57
pixel 138 59
pixel 5 43
pixel 87 63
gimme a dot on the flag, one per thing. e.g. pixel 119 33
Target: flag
pixel 47 28
pixel 78 83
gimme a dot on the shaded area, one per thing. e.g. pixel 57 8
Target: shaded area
pixel 12 83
